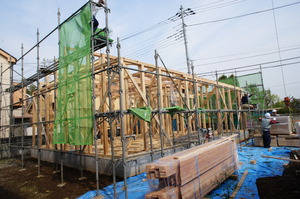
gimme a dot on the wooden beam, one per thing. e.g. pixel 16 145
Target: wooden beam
pixel 239 185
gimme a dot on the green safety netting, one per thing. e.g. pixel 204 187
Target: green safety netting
pixel 252 84
pixel 201 109
pixel 172 110
pixel 99 33
pixel 143 113
pixel 74 113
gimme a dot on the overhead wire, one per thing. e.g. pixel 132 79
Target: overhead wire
pixel 247 57
pixel 235 59
pixel 255 65
pixel 289 47
pixel 147 45
pixel 164 22
pixel 222 5
pixel 278 47
pixel 244 15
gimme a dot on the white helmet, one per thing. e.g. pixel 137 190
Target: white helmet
pixel 267 115
pixel 274 111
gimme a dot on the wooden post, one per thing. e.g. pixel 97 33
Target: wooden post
pixel 225 106
pixel 232 127
pixel 220 125
pixel 143 124
pixel 104 109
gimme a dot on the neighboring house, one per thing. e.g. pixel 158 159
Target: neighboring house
pixel 5 61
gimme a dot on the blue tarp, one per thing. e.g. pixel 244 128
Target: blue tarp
pixel 264 167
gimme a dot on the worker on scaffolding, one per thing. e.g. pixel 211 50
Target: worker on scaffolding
pixel 245 101
pixel 266 123
pixel 95 8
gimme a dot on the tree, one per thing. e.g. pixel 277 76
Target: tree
pixel 31 89
pixel 271 99
pixel 294 106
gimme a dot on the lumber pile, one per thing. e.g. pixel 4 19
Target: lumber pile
pixel 297 127
pixel 289 140
pixel 258 140
pixel 192 173
pixel 282 127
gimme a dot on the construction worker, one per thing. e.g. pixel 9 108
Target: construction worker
pixel 274 113
pixel 245 101
pixel 266 123
pixel 95 8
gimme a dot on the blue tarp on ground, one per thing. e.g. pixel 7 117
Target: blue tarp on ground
pixel 264 167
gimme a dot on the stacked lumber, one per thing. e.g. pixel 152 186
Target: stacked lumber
pixel 258 140
pixel 193 173
pixel 289 140
pixel 297 127
pixel 282 127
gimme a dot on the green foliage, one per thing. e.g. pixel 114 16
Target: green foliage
pixel 31 89
pixel 229 80
pixel 271 99
pixel 294 106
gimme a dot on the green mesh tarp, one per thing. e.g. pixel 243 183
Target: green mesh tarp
pixel 252 84
pixel 74 113
pixel 143 113
pixel 172 110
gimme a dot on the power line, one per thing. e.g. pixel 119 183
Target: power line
pixel 258 64
pixel 279 52
pixel 259 55
pixel 244 15
pixel 288 48
pixel 213 7
pixel 174 18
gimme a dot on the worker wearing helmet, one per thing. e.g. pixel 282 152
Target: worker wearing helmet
pixel 274 113
pixel 266 123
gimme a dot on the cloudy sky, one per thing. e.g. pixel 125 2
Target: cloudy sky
pixel 238 35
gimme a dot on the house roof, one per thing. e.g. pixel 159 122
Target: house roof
pixel 8 56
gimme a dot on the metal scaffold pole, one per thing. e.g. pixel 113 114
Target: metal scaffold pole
pixel 61 145
pixel 94 105
pixel 39 132
pixel 150 132
pixel 263 87
pixel 22 127
pixel 196 104
pixel 219 116
pixel 11 101
pixel 237 107
pixel 123 125
pixel 158 79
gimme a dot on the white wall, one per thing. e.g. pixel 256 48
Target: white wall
pixel 4 132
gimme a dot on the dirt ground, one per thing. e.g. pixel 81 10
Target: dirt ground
pixel 286 186
pixel 16 184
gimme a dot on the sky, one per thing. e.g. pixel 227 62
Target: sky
pixel 228 36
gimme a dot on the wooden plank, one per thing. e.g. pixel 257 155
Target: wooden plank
pixel 239 185
pixel 194 160
pixel 143 123
pixel 202 185
pixel 292 160
pixel 208 158
pixel 104 129
pixel 168 192
pixel 232 126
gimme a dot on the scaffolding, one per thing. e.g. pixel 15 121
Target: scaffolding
pixel 138 109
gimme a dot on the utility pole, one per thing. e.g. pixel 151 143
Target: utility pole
pixel 182 14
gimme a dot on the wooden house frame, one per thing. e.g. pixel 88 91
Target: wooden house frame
pixel 141 84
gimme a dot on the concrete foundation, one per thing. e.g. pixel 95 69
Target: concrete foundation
pixel 134 166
